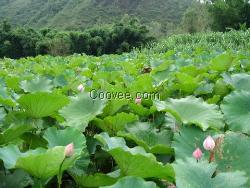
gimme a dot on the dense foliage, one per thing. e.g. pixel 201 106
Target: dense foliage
pixel 230 14
pixel 233 40
pixel 56 130
pixel 75 14
pixel 196 19
pixel 162 17
pixel 215 15
pixel 117 38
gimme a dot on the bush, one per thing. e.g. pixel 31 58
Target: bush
pixel 116 38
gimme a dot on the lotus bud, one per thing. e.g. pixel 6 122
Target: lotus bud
pixel 209 143
pixel 197 154
pixel 138 100
pixel 80 88
pixel 69 150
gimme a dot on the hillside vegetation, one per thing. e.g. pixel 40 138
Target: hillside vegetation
pixel 75 14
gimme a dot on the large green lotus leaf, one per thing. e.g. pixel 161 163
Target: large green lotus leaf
pixel 113 124
pixel 135 161
pixel 214 100
pixel 19 121
pixel 38 105
pixel 192 70
pixel 109 143
pixel 13 82
pixel 191 110
pixel 17 118
pixel 5 98
pixel 141 110
pixel 113 106
pixel 82 163
pixel 221 88
pixel 108 76
pixel 82 110
pixel 186 83
pixel 60 81
pixel 168 121
pixel 37 84
pixel 190 173
pixel 9 155
pixel 112 90
pixel 238 81
pixel 143 134
pixel 64 137
pixel 187 140
pixel 2 114
pixel 161 73
pixel 160 66
pixel 204 88
pixel 236 109
pixel 160 77
pixel 233 153
pixel 14 132
pixel 95 180
pixel 142 84
pixel 46 163
pixel 34 140
pixel 40 162
pixel 19 179
pixel 222 62
pixel 132 182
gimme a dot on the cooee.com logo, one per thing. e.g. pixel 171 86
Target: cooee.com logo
pixel 94 94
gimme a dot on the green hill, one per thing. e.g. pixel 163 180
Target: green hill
pixel 76 14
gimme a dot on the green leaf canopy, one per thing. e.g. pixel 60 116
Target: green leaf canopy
pixel 38 105
pixel 39 84
pixel 82 110
pixel 143 134
pixel 135 161
pixel 132 182
pixel 95 180
pixel 190 173
pixel 40 163
pixel 64 137
pixel 233 153
pixel 236 109
pixel 191 110
pixel 239 81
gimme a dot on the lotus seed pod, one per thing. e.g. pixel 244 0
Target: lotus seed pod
pixel 209 143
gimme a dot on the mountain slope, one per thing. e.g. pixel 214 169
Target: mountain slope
pixel 75 14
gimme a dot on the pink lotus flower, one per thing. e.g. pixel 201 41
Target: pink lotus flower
pixel 80 88
pixel 209 143
pixel 69 150
pixel 197 154
pixel 138 100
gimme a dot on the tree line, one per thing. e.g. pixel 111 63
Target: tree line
pixel 216 15
pixel 17 42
